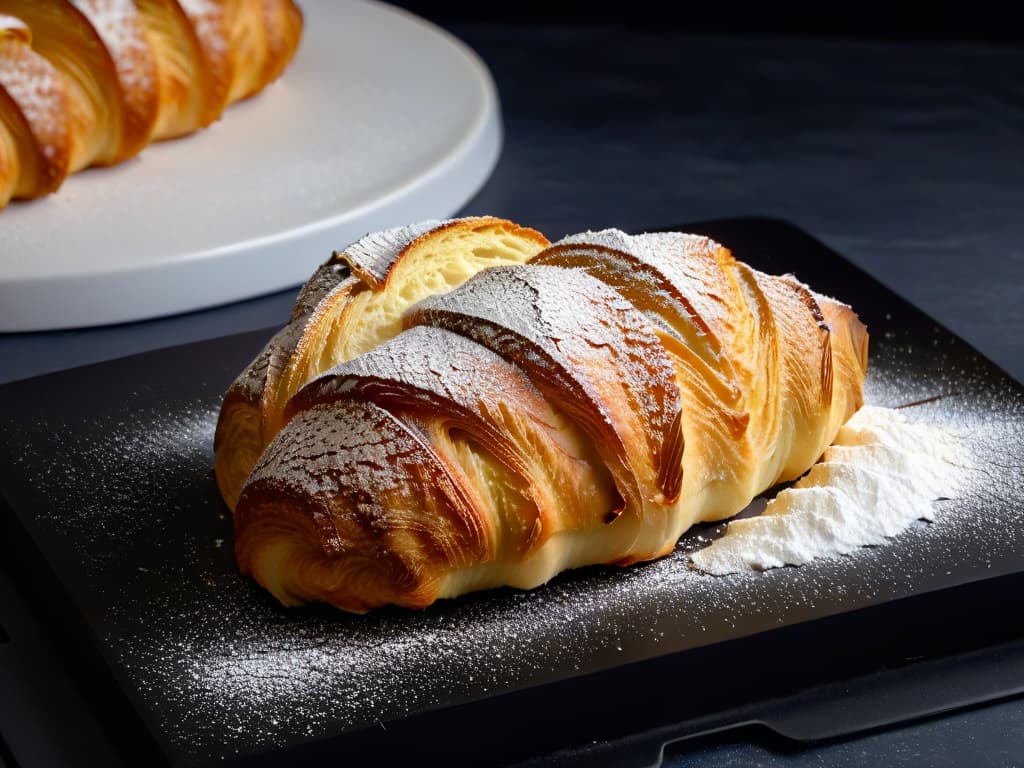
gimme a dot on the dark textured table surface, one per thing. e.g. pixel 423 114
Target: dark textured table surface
pixel 906 158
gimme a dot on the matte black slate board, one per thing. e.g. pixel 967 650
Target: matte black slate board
pixel 116 534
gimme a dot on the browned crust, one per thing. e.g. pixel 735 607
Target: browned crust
pixel 809 300
pixel 64 36
pixel 10 115
pixel 449 384
pixel 249 416
pixel 183 79
pixel 849 341
pixel 435 372
pixel 647 285
pixel 284 23
pixel 649 271
pixel 380 498
pixel 263 36
pixel 33 105
pixel 210 22
pixel 118 24
pixel 292 357
pixel 588 350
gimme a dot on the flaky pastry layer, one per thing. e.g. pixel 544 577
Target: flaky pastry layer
pixel 461 405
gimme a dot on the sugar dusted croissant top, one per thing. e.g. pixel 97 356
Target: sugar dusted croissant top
pixel 461 405
pixel 92 82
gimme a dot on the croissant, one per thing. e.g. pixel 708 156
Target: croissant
pixel 455 406
pixel 93 82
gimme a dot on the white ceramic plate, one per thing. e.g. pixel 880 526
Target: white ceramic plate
pixel 382 119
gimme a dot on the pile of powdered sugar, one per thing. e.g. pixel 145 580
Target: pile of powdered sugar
pixel 880 475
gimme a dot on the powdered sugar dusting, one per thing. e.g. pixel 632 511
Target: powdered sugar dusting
pixel 574 334
pixel 687 260
pixel 207 17
pixel 881 474
pixel 140 450
pixel 11 23
pixel 35 86
pixel 649 247
pixel 325 447
pixel 118 24
pixel 436 364
pixel 373 255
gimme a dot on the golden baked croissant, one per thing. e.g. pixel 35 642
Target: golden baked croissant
pixel 419 433
pixel 92 82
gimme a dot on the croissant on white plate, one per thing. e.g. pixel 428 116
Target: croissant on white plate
pixel 92 82
pixel 462 405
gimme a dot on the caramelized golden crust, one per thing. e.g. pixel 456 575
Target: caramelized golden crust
pixel 92 82
pixel 209 19
pixel 655 272
pixel 35 142
pixel 351 304
pixel 587 407
pixel 123 34
pixel 488 422
pixel 588 349
pixel 388 517
pixel 283 21
pixel 63 34
pixel 184 82
pixel 263 35
pixel 10 172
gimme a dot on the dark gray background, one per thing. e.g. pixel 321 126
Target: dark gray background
pixel 905 156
